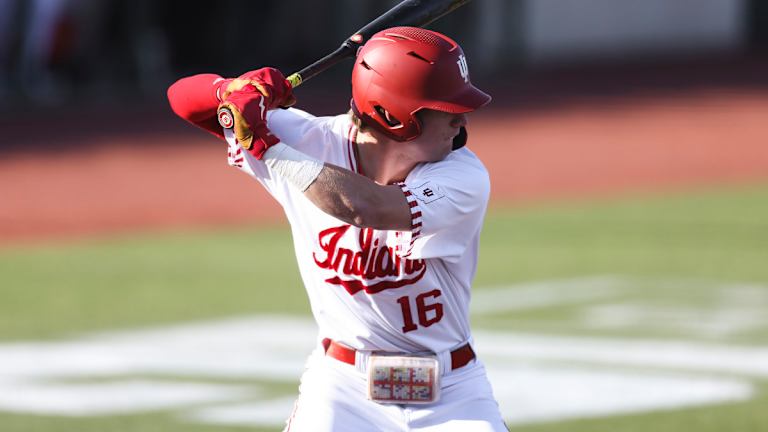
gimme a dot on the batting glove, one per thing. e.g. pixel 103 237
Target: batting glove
pixel 270 82
pixel 249 113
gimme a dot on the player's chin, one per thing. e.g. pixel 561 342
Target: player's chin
pixel 433 156
pixel 436 153
pixel 437 157
pixel 448 147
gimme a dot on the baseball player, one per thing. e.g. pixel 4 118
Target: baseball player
pixel 385 205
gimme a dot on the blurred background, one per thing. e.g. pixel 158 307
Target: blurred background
pixel 91 74
pixel 56 52
pixel 622 285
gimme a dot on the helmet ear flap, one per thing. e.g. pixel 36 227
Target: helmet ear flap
pixel 389 119
pixel 385 115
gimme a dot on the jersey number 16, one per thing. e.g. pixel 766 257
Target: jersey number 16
pixel 428 313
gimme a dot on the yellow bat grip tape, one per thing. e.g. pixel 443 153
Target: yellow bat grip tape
pixel 295 80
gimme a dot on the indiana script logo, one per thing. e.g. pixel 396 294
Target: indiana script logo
pixel 371 268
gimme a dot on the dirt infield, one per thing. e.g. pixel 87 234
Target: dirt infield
pixel 99 180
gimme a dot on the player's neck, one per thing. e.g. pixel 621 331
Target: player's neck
pixel 383 160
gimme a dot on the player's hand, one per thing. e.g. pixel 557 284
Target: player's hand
pixel 249 115
pixel 277 91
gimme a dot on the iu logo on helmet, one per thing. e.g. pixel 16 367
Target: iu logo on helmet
pixel 463 67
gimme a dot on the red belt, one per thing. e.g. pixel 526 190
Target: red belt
pixel 459 357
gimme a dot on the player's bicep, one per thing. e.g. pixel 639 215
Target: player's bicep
pixel 395 210
pixel 358 200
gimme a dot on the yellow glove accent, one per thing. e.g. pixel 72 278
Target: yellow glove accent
pixel 238 84
pixel 241 128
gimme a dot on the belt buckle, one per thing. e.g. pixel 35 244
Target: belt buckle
pixel 403 379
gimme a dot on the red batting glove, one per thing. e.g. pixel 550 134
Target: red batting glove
pixel 249 112
pixel 277 91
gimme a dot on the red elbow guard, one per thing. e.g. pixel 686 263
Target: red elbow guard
pixel 195 99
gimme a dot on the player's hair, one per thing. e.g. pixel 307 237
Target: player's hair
pixel 357 121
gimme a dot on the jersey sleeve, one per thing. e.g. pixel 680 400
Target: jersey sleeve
pixel 295 128
pixel 313 136
pixel 448 200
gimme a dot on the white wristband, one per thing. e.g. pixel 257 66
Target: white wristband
pixel 294 166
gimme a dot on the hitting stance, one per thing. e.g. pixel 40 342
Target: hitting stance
pixel 385 205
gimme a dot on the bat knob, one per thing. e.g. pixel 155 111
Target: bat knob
pixel 226 119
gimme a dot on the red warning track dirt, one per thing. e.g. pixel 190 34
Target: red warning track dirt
pixel 124 178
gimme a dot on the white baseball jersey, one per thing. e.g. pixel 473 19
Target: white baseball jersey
pixel 382 290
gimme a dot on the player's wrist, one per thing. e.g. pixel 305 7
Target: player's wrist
pixel 297 168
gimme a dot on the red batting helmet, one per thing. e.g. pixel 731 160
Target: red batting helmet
pixel 402 70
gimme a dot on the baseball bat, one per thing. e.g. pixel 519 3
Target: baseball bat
pixel 412 13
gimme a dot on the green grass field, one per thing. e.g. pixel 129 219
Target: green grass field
pixel 688 267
